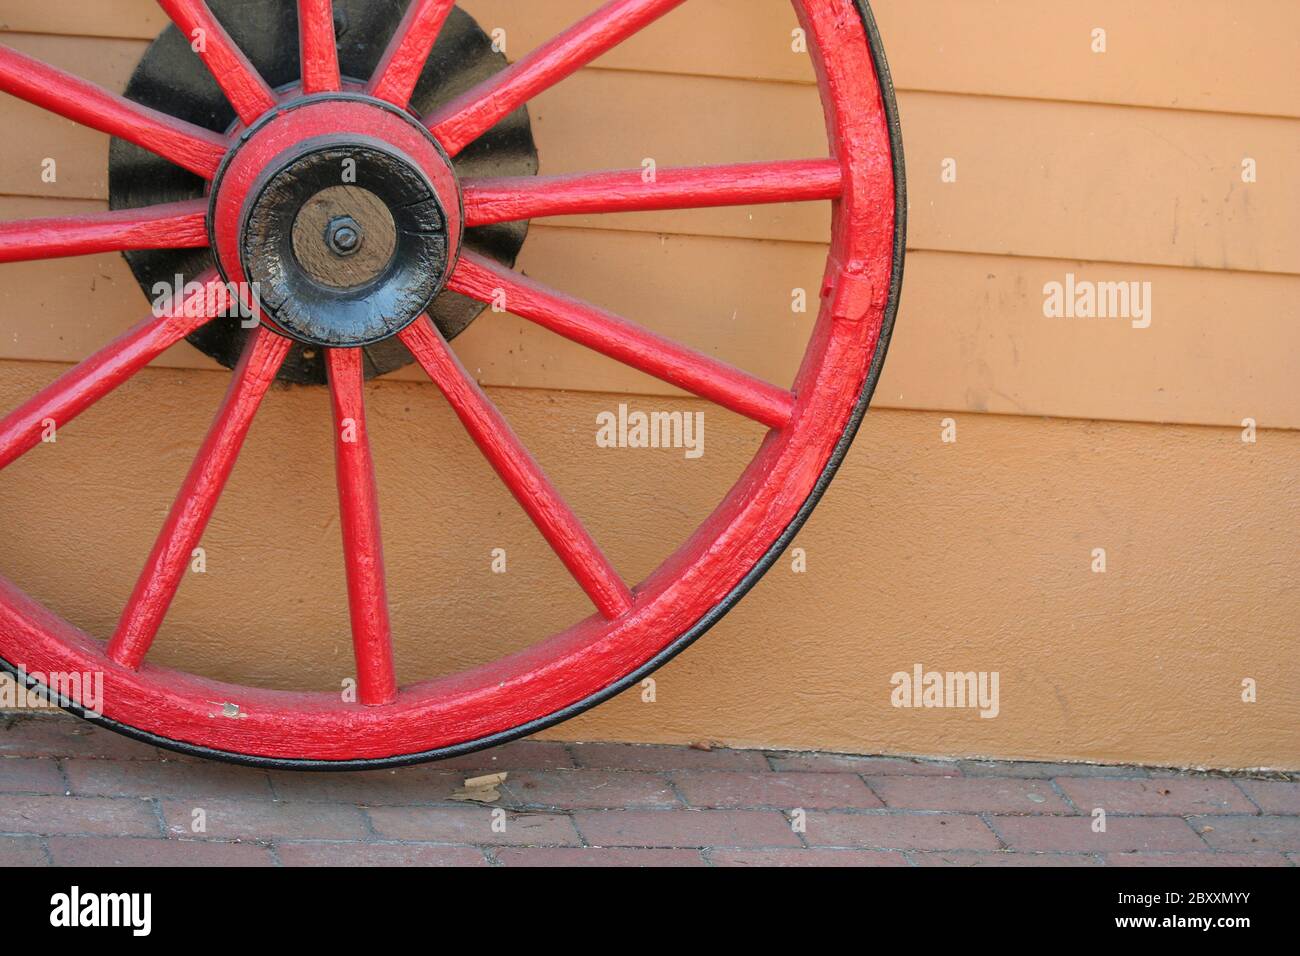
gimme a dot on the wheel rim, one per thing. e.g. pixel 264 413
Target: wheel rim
pixel 634 629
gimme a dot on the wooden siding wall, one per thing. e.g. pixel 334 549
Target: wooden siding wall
pixel 1116 166
pixel 1121 166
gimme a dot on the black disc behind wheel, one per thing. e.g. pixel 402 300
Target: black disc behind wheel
pixel 173 79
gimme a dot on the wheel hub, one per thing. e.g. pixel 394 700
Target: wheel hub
pixel 171 78
pixel 342 240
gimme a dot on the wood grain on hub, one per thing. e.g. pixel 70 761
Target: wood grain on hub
pixel 375 250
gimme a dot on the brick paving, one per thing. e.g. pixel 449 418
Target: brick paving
pixel 72 794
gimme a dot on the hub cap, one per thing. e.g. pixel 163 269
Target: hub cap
pixel 342 240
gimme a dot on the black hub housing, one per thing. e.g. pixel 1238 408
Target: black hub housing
pixel 323 285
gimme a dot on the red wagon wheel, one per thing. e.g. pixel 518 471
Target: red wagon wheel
pixel 362 272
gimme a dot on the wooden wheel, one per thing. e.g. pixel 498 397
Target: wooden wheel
pixel 378 252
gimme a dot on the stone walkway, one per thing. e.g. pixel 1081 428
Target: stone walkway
pixel 75 794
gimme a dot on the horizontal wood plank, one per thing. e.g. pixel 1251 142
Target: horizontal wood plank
pixel 1224 55
pixel 1100 183
pixel 1232 56
pixel 126 19
pixel 972 336
pixel 80 154
pixel 1220 346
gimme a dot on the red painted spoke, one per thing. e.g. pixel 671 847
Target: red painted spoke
pixel 474 112
pixel 408 51
pixel 181 225
pixel 363 550
pixel 520 472
pixel 625 341
pixel 237 77
pixel 691 187
pixel 318 47
pixel 197 149
pixel 85 384
pixel 198 496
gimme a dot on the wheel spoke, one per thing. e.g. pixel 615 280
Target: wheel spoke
pixel 474 112
pixel 237 77
pixel 197 149
pixel 520 472
pixel 85 384
pixel 635 346
pixel 363 550
pixel 318 47
pixel 181 225
pixel 198 497
pixel 689 187
pixel 408 51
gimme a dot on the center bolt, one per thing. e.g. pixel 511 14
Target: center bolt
pixel 343 235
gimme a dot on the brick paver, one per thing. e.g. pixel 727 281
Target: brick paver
pixel 408 786
pixel 479 825
pixel 970 795
pixel 1156 797
pixel 1045 771
pixel 48 815
pixel 22 851
pixel 1273 796
pixel 150 778
pixel 516 755
pixel 378 854
pixel 1194 859
pixel 641 757
pixel 58 735
pixel 851 763
pixel 1077 835
pixel 138 851
pixel 1003 858
pixel 1249 833
pixel 901 831
pixel 589 789
pixel 687 828
pixel 809 857
pixel 597 856
pixel 73 794
pixel 809 791
pixel 30 775
pixel 262 820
